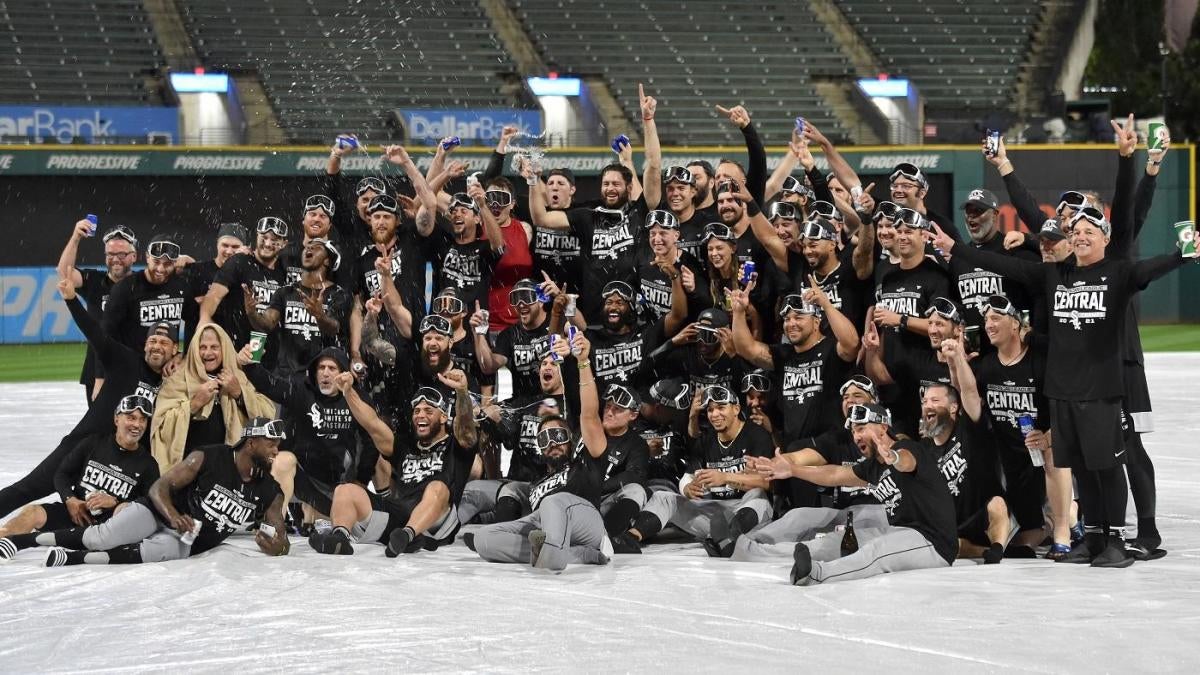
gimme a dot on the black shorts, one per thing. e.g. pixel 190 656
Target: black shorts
pixel 1087 434
pixel 313 492
pixel 57 517
pixel 1025 488
pixel 387 515
pixel 974 528
pixel 1137 397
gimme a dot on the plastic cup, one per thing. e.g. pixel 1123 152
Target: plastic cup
pixel 1156 135
pixel 258 344
pixel 1185 232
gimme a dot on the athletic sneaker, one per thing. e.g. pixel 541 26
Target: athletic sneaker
pixel 1134 548
pixel 537 539
pixel 716 550
pixel 1113 555
pixel 1088 548
pixel 335 542
pixel 469 540
pixel 8 550
pixel 802 565
pixel 625 543
pixel 398 542
pixel 606 549
pixel 57 557
pixel 994 554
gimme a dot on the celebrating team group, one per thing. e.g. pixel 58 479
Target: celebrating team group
pixel 779 366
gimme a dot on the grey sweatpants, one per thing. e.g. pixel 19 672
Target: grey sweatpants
pixel 880 551
pixel 779 538
pixel 704 518
pixel 634 492
pixel 480 496
pixel 133 524
pixel 573 527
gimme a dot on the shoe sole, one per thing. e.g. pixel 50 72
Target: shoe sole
pixel 537 539
pixel 1120 564
pixel 393 548
pixel 798 560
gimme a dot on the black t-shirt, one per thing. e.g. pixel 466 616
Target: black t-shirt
pixel 135 304
pixel 519 421
pixel 415 467
pixel 1008 392
pixel 582 477
pixel 808 388
pixel 263 281
pixel 849 294
pixel 837 447
pixel 208 431
pixel 688 363
pixel 94 290
pixel 908 293
pixel 692 229
pixel 617 358
pixel 98 463
pixel 524 350
pixel 408 272
pixel 918 500
pixel 220 499
pixel 967 462
pixel 608 245
pixel 199 276
pixel 628 461
pixel 667 450
pixel 556 253
pixel 299 337
pixel 914 371
pixel 655 287
pixel 466 267
pixel 710 453
pixel 975 282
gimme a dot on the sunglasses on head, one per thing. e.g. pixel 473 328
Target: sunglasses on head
pixel 717 231
pixel 120 232
pixel 163 249
pixel 663 219
pixel 523 296
pixel 794 302
pixel 130 403
pixel 498 198
pixel 448 304
pixel 431 396
pixel 319 202
pixel 384 203
pixel 818 231
pixel 755 382
pixel 678 174
pixel 1073 199
pixel 825 209
pixel 1001 305
pixel 273 225
pixel 273 430
pixel 436 323
pixel 551 436
pixel 911 172
pixel 1093 216
pixel 911 219
pixel 793 185
pixel 620 288
pixel 944 308
pixel 889 210
pixel 717 394
pixel 862 382
pixel 463 200
pixel 706 335
pixel 621 397
pixel 783 210
pixel 370 184
pixel 861 414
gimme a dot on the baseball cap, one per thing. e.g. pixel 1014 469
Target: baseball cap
pixel 564 172
pixel 984 199
pixel 335 258
pixel 672 392
pixel 166 329
pixel 715 318
pixel 234 230
pixel 1051 230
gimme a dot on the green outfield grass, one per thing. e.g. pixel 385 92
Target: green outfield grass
pixel 45 363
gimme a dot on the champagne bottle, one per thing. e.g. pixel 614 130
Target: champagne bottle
pixel 849 539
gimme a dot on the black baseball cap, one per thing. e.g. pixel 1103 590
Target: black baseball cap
pixel 564 172
pixel 234 230
pixel 984 199
pixel 167 329
pixel 716 318
pixel 673 393
pixel 1051 230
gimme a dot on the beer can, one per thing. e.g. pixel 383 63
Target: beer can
pixel 748 269
pixel 482 330
pixel 1185 232
pixel 345 141
pixel 570 309
pixel 1156 134
pixel 190 538
pixel 267 529
pixel 359 367
pixel 95 512
pixel 799 126
pixel 452 142
pixel 258 344
pixel 620 142
pixel 554 356
pixel 91 218
pixel 571 338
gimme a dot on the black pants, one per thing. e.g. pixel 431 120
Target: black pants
pixel 39 482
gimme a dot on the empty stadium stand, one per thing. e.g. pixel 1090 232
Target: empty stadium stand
pixel 77 52
pixel 331 66
pixel 693 55
pixel 963 55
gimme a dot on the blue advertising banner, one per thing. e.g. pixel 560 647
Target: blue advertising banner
pixel 430 126
pixel 87 122
pixel 31 310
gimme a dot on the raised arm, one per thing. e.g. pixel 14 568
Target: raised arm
pixel 1026 206
pixel 427 209
pixel 106 347
pixel 489 361
pixel 590 427
pixel 963 379
pixel 364 414
pixel 837 164
pixel 652 169
pixel 863 257
pixel 873 355
pixel 465 430
pixel 393 302
pixel 541 217
pixel 756 155
pixel 842 328
pixel 66 261
pixel 1121 218
pixel 743 340
pixel 491 225
pixel 786 165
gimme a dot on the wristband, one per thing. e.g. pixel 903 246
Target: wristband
pixel 752 208
pixel 584 364
pixel 904 321
pixel 531 181
pixel 895 457
pixel 1001 165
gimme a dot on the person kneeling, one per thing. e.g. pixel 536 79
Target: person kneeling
pixel 215 491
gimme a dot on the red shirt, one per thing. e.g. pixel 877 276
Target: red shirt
pixel 514 265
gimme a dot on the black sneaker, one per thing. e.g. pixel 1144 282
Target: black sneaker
pixel 625 543
pixel 716 550
pixel 1020 552
pixel 469 540
pixel 1113 555
pixel 334 542
pixel 994 554
pixel 1083 552
pixel 1141 552
pixel 537 539
pixel 398 542
pixel 802 567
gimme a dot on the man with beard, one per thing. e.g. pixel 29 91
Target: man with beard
pixel 808 366
pixel 140 301
pixel 463 260
pixel 680 187
pixel 215 491
pixel 662 423
pixel 120 253
pixel 850 505
pixel 719 500
pixel 101 473
pixel 660 272
pixel 609 234
pixel 975 283
pixel 260 272
pixel 952 424
pixel 518 346
pixel 756 239
pixel 564 524
pixel 337 432
pixel 703 354
pixel 618 341
pixel 131 373
pixel 231 240
pixel 903 476
pixel 702 175
pixel 316 223
pixel 836 271
pixel 313 311
pixel 428 474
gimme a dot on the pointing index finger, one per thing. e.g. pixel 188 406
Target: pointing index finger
pixel 722 110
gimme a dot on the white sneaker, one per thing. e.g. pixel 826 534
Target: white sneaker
pixel 606 549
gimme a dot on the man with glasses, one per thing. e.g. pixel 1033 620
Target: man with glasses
pixel 428 474
pixel 520 346
pixel 140 301
pixel 850 505
pixel 257 275
pixel 120 253
pixel 313 312
pixel 618 339
pixel 902 475
pixel 316 223
pixel 680 187
pixel 976 283
pixel 719 499
pixel 835 271
pixel 702 354
pixel 623 493
pixel 1088 298
pixel 909 187
pixel 513 237
pixel 98 475
pixel 756 240
pixel 215 491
